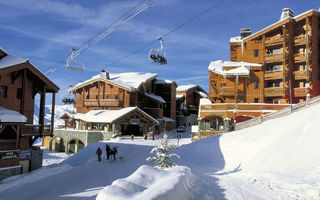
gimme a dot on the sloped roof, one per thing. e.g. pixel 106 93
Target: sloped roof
pixel 155 97
pixel 183 88
pixel 11 60
pixel 109 116
pixel 239 68
pixel 7 115
pixel 130 80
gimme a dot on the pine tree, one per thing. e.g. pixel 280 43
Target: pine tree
pixel 163 157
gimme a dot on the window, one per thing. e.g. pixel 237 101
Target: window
pixel 223 85
pixel 4 91
pixel 256 100
pixel 306 84
pixel 277 68
pixel 256 84
pixel 116 97
pixel 19 93
pixel 111 86
pixel 276 84
pixel 256 53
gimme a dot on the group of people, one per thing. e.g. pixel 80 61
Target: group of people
pixel 109 151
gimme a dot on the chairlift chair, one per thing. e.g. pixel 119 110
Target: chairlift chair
pixel 68 99
pixel 74 65
pixel 158 55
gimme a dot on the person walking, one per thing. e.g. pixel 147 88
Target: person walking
pixel 108 151
pixel 153 135
pixel 99 152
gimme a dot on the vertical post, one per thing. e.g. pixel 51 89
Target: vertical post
pixel 99 93
pixel 290 89
pixel 42 108
pixel 23 90
pixel 261 115
pixel 53 112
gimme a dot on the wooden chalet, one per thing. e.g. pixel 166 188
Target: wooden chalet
pixel 117 91
pixel 20 81
pixel 289 51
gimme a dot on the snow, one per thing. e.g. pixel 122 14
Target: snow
pixel 163 81
pixel 129 80
pixel 183 88
pixel 107 116
pixel 155 97
pixel 236 39
pixel 11 60
pixel 59 111
pixel 179 96
pixel 168 119
pixel 7 115
pixel 240 67
pixel 202 93
pixel 278 159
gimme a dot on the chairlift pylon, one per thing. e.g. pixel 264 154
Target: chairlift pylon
pixel 158 55
pixel 74 65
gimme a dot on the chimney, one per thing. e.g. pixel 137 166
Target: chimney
pixel 105 74
pixel 245 32
pixel 286 12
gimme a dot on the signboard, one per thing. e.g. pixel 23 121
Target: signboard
pixel 25 154
pixel 134 121
pixel 194 129
pixel 6 155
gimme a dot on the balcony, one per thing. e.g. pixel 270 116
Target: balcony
pixel 300 75
pixel 300 92
pixel 300 57
pixel 301 39
pixel 273 92
pixel 272 75
pixel 35 130
pixel 273 41
pixel 227 91
pixel 90 102
pixel 274 58
pixel 109 102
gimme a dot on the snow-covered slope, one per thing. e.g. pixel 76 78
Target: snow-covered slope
pixel 59 111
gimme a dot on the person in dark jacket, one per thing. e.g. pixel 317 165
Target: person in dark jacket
pixel 108 151
pixel 99 152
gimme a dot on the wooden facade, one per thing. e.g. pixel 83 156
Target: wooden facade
pixel 20 81
pixel 289 50
pixel 104 93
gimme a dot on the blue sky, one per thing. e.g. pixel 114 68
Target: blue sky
pixel 45 31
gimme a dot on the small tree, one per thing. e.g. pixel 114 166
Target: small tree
pixel 163 157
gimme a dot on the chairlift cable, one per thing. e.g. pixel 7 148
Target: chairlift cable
pixel 141 6
pixel 170 32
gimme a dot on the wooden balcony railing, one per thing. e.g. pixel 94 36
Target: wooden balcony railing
pixel 300 92
pixel 272 41
pixel 7 145
pixel 101 102
pixel 35 130
pixel 90 102
pixel 274 57
pixel 298 75
pixel 109 102
pixel 301 39
pixel 273 92
pixel 271 75
pixel 227 91
pixel 300 57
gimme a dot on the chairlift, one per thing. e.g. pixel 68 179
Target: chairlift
pixel 158 55
pixel 74 65
pixel 68 99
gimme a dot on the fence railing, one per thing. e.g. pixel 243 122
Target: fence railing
pixel 275 115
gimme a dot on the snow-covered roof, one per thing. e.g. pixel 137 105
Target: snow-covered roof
pixel 183 88
pixel 236 39
pixel 201 93
pixel 168 119
pixel 11 60
pixel 155 97
pixel 163 81
pixel 107 116
pixel 179 96
pixel 205 101
pixel 129 80
pixel 240 68
pixel 7 115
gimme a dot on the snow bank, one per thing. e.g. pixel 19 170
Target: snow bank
pixel 151 183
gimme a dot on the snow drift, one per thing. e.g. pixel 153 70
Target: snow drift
pixel 151 183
